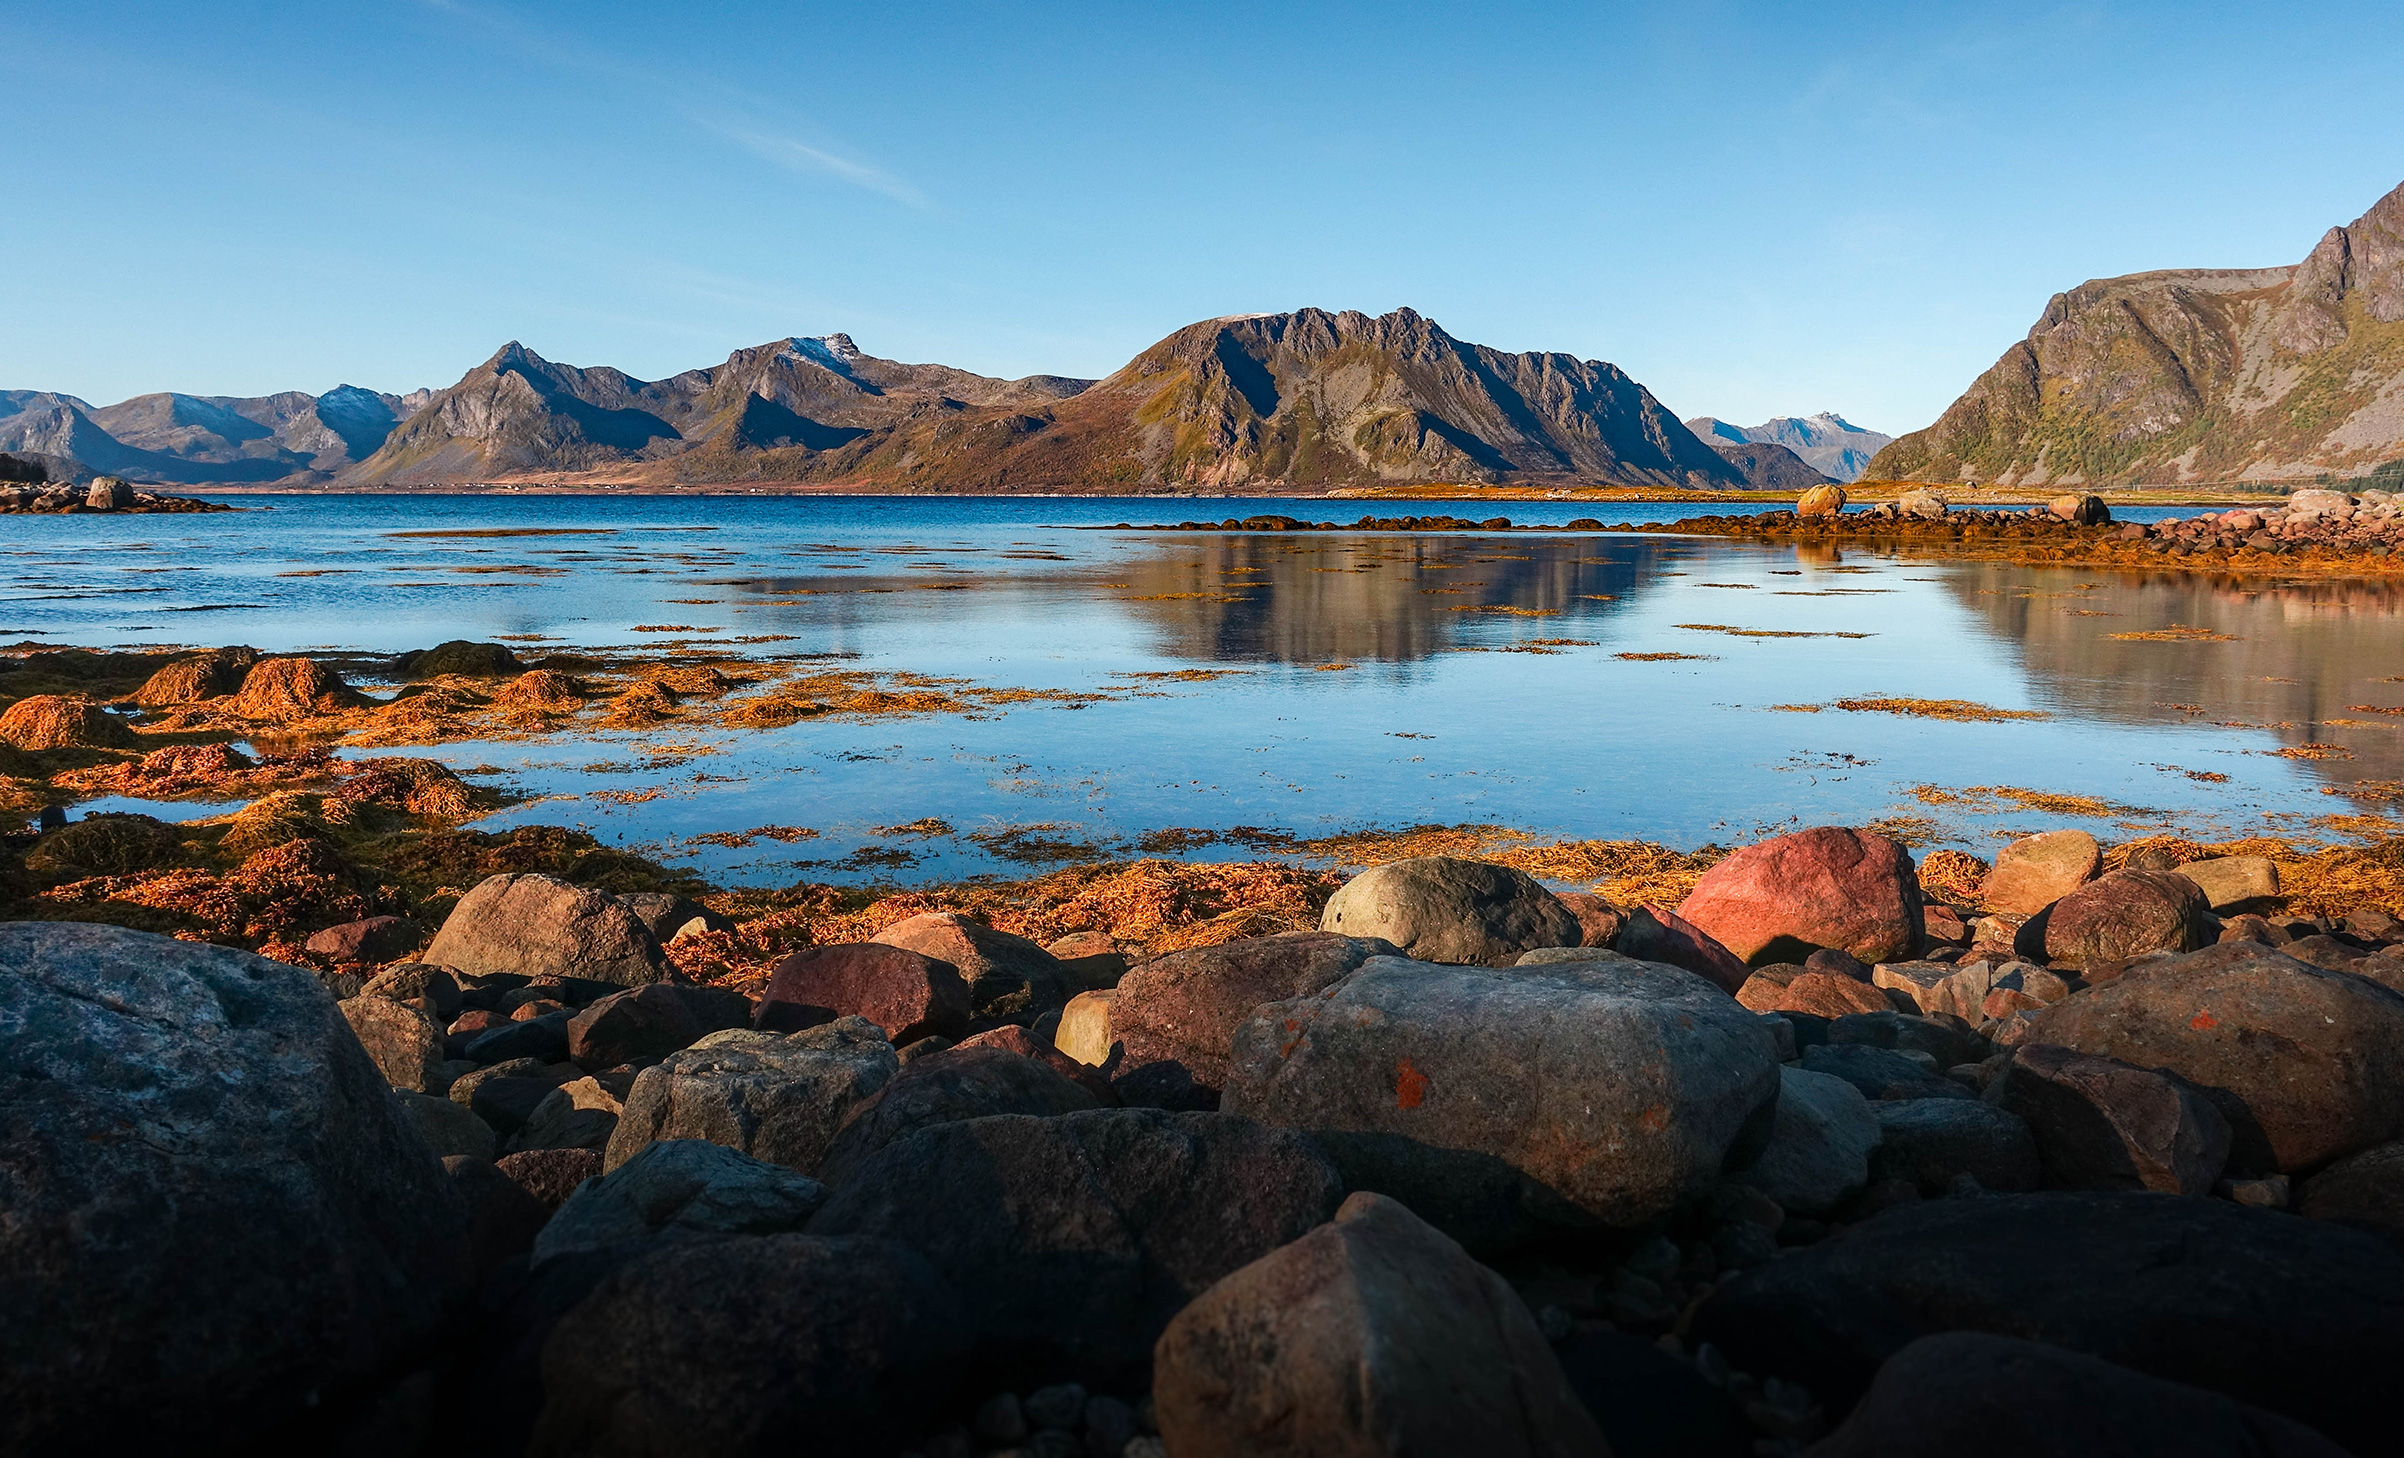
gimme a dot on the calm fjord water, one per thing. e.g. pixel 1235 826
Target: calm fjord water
pixel 1374 679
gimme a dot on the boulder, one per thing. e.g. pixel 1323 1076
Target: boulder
pixel 1881 1073
pixel 1657 934
pixel 1971 1395
pixel 405 1044
pixel 643 1024
pixel 1373 1336
pixel 372 939
pixel 945 1087
pixel 1184 1008
pixel 664 915
pixel 1948 1040
pixel 2101 1124
pixel 908 994
pixel 1599 922
pixel 1008 976
pixel 777 1098
pixel 1932 1142
pixel 2365 1190
pixel 540 926
pixel 2292 1315
pixel 1011 1038
pixel 2229 882
pixel 551 1175
pixel 1443 909
pixel 2081 510
pixel 1084 1031
pixel 215 1209
pixel 579 1114
pixel 752 1346
pixel 674 1190
pixel 429 989
pixel 1580 1093
pixel 1820 1144
pixel 1821 501
pixel 2036 871
pixel 1922 503
pixel 502 1218
pixel 448 1128
pixel 2126 914
pixel 1074 1240
pixel 1821 994
pixel 1786 897
pixel 543 1038
pixel 2306 1065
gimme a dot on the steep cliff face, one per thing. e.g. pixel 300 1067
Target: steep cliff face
pixel 2193 375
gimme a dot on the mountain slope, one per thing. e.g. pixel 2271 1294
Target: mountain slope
pixel 287 439
pixel 1304 400
pixel 2193 375
pixel 1766 466
pixel 1827 442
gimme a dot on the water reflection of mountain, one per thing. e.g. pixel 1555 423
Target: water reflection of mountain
pixel 1323 598
pixel 2305 653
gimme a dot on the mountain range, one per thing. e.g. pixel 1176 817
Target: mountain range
pixel 2193 375
pixel 1827 442
pixel 1306 400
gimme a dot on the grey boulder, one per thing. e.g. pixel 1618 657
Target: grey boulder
pixel 1820 1144
pixel 778 1098
pixel 540 926
pixel 679 1189
pixel 1443 909
pixel 1931 1142
pixel 1184 1008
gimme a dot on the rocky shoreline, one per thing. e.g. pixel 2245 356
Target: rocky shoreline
pixel 2102 1143
pixel 106 495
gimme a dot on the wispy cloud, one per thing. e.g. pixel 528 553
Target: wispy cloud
pixel 740 118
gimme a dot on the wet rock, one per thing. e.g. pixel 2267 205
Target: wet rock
pixel 406 1045
pixel 63 721
pixel 1881 1073
pixel 2232 881
pixel 472 660
pixel 2080 510
pixel 502 1218
pixel 780 1099
pixel 1655 934
pixel 2306 1065
pixel 1933 1142
pixel 2035 871
pixel 540 926
pixel 642 1024
pixel 372 939
pixel 2365 1190
pixel 579 1114
pixel 216 1210
pixel 1372 1335
pixel 1074 1240
pixel 1786 897
pixel 551 1175
pixel 448 1128
pixel 2101 1124
pixel 2126 914
pixel 678 1189
pixel 908 994
pixel 1184 1008
pixel 2292 1315
pixel 1443 909
pixel 1581 1092
pixel 1007 976
pixel 1971 1395
pixel 1820 1144
pixel 941 1088
pixel 770 1345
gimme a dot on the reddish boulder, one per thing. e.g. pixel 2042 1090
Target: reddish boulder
pixel 1184 1008
pixel 906 993
pixel 1826 995
pixel 2306 1065
pixel 551 1175
pixel 646 1023
pixel 2126 914
pixel 1785 898
pixel 1006 975
pixel 376 939
pixel 1599 922
pixel 2365 1190
pixel 2101 1124
pixel 2036 871
pixel 1655 934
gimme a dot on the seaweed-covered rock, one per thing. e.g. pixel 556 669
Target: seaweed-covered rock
pixel 281 689
pixel 208 675
pixel 63 721
pixel 459 656
pixel 103 845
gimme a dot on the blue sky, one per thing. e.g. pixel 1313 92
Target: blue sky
pixel 1754 209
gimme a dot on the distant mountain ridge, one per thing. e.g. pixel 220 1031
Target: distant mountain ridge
pixel 2193 375
pixel 1827 442
pixel 1300 400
